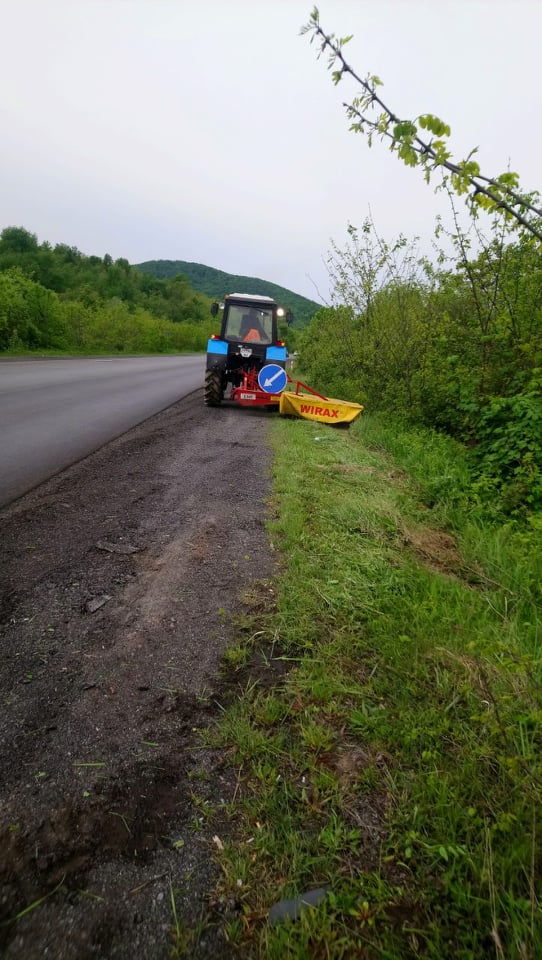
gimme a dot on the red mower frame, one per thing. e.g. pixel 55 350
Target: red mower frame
pixel 250 394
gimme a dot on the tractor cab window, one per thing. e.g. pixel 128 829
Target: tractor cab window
pixel 249 324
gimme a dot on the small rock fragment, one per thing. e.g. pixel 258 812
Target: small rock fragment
pixel 97 602
pixel 123 548
pixel 291 909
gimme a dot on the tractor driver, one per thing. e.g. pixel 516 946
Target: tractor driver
pixel 251 328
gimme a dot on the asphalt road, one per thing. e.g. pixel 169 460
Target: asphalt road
pixel 54 412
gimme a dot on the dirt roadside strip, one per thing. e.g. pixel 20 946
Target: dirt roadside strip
pixel 118 578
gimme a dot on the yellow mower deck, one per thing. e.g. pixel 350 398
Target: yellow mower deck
pixel 312 407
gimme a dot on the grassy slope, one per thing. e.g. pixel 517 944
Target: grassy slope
pixel 216 283
pixel 396 763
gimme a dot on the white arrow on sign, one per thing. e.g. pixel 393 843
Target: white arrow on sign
pixel 270 380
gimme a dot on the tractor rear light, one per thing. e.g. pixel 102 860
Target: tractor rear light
pixel 281 343
pixel 214 336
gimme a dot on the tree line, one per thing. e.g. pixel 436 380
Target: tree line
pixel 59 299
pixel 215 283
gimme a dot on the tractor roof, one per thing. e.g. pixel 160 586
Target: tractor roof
pixel 250 296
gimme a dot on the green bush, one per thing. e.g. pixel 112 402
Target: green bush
pixel 508 454
pixel 459 350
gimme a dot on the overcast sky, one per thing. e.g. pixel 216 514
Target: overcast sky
pixel 207 130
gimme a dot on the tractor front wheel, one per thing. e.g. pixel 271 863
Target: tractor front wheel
pixel 213 388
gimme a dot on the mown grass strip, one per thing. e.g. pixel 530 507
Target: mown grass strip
pixel 397 762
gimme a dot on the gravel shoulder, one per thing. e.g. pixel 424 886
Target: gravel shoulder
pixel 118 581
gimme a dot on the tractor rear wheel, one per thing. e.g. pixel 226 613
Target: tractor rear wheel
pixel 213 388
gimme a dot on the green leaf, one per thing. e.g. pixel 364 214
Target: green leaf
pixel 434 125
pixel 408 155
pixel 404 129
pixel 508 179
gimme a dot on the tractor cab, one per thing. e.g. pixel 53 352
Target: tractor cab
pixel 248 324
pixel 248 340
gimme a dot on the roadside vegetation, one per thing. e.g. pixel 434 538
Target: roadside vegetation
pixel 57 300
pixel 455 346
pixel 397 762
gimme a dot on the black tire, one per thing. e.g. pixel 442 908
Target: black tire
pixel 213 388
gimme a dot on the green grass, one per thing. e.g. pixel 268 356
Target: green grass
pixel 397 763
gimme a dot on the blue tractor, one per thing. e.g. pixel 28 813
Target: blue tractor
pixel 248 341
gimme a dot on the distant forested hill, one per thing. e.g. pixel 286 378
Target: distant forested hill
pixel 216 283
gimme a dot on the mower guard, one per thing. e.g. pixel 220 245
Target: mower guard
pixel 323 410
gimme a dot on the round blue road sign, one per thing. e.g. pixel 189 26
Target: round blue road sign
pixel 272 378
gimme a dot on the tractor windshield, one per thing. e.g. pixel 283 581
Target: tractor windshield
pixel 249 324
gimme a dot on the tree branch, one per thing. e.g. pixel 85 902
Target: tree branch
pixel 487 192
